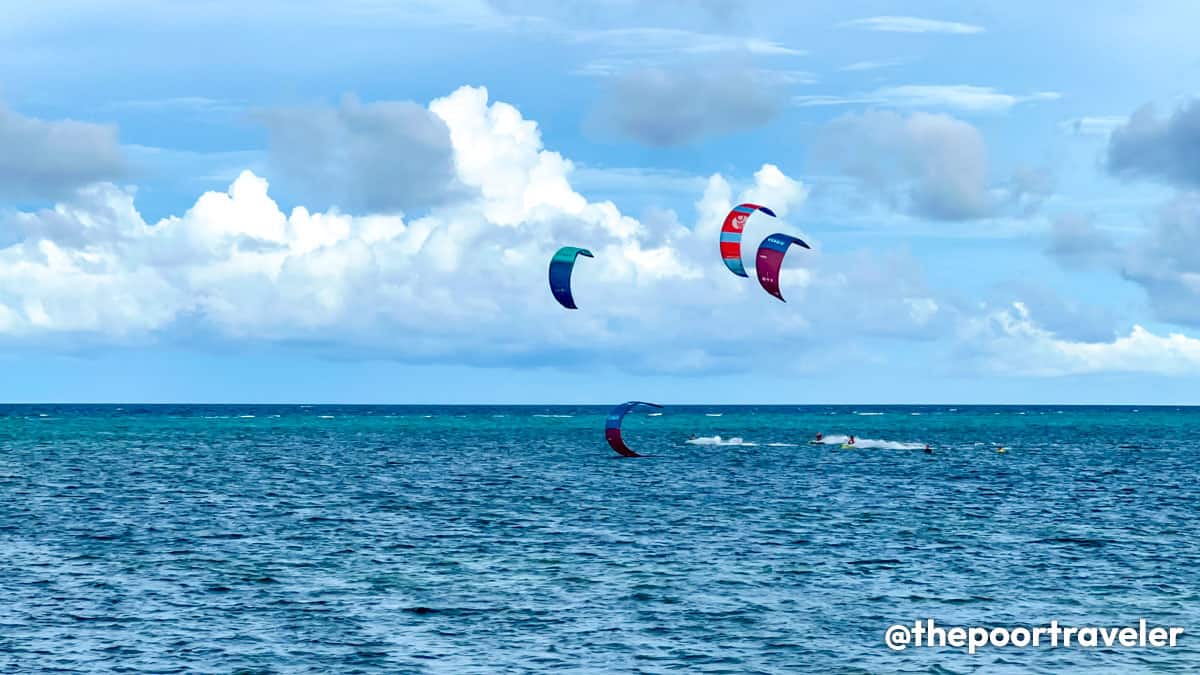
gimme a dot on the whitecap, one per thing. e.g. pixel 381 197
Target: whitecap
pixel 717 440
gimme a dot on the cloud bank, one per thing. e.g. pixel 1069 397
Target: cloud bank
pixel 465 281
pixel 665 108
pixel 47 160
pixel 1166 149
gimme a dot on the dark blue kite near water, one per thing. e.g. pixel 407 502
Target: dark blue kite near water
pixel 561 266
pixel 612 427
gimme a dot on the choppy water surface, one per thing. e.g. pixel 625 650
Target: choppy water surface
pixel 511 539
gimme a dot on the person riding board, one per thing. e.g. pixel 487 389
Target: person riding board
pixel 851 441
pixel 820 437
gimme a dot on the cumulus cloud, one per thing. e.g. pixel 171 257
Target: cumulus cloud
pixel 934 166
pixel 385 156
pixel 672 107
pixel 1076 242
pixel 912 24
pixel 1166 149
pixel 1063 317
pixel 42 159
pixel 1166 261
pixel 1009 342
pixel 463 283
pixel 927 165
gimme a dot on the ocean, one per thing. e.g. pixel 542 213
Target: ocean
pixel 511 539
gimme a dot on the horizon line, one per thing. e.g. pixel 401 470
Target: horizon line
pixel 564 405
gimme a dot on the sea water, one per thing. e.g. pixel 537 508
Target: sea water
pixel 512 539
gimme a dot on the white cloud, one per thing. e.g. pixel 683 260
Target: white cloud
pixel 958 97
pixel 1013 344
pixel 674 41
pixel 871 65
pixel 912 24
pixel 466 282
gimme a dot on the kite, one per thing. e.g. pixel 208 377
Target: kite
pixel 770 259
pixel 612 428
pixel 561 266
pixel 731 235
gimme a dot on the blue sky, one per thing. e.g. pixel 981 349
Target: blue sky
pixel 355 201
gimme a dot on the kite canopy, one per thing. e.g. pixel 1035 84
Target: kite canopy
pixel 560 274
pixel 612 427
pixel 770 259
pixel 731 235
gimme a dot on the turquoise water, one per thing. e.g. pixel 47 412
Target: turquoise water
pixel 511 539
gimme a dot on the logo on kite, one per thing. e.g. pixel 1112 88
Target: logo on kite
pixel 612 427
pixel 731 235
pixel 561 266
pixel 770 259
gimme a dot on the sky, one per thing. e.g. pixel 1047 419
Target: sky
pixel 355 201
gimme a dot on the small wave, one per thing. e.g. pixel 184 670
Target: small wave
pixel 246 417
pixel 872 443
pixel 869 414
pixel 713 414
pixel 879 444
pixel 325 417
pixel 781 445
pixel 833 439
pixel 654 414
pixel 717 440
pixel 554 416
pixel 915 414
